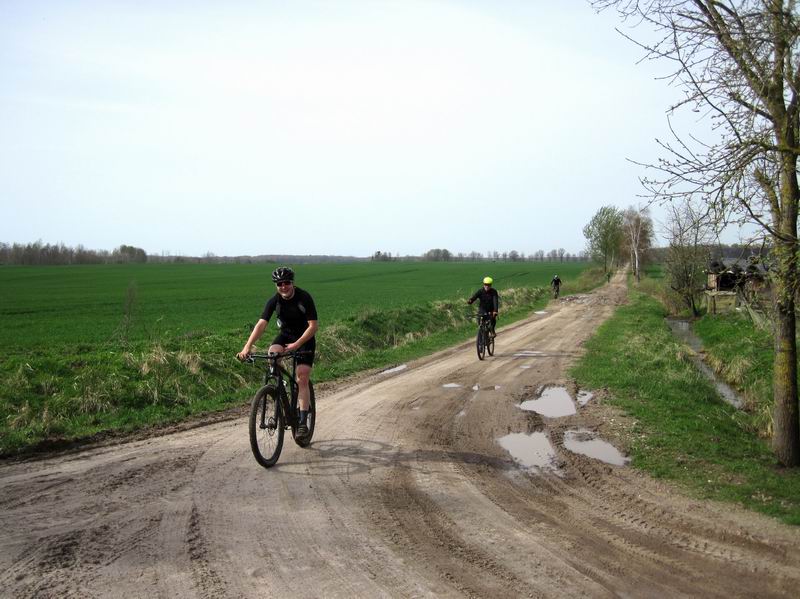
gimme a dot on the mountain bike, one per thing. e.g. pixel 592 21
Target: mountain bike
pixel 485 339
pixel 556 290
pixel 274 408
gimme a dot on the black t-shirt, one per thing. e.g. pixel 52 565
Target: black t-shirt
pixel 292 314
pixel 488 300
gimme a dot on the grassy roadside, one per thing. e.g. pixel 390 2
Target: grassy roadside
pixel 682 431
pixel 67 393
pixel 742 355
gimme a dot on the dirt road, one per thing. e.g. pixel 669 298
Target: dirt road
pixel 406 491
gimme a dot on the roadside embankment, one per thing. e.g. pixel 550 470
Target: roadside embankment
pixel 679 428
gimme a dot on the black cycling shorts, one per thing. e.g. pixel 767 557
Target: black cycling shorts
pixel 309 346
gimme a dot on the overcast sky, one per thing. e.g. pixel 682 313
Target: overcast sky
pixel 331 127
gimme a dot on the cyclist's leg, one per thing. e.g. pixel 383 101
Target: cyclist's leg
pixel 494 324
pixel 305 361
pixel 303 374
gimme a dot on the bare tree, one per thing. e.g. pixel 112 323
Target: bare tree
pixel 638 228
pixel 688 254
pixel 738 64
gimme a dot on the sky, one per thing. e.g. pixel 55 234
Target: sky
pixel 332 127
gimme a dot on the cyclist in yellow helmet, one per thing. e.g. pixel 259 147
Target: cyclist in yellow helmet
pixel 488 301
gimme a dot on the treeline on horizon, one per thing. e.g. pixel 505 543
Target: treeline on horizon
pixel 45 254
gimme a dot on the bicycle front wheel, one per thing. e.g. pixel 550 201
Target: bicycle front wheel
pixel 490 342
pixel 266 426
pixel 311 419
pixel 480 344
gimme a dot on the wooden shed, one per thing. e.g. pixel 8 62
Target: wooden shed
pixel 732 281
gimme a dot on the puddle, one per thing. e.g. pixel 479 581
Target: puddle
pixel 395 369
pixel 530 451
pixel 475 387
pixel 540 312
pixel 528 353
pixel 451 386
pixel 584 442
pixel 497 387
pixel 584 397
pixel 554 402
pixel 461 414
pixel 682 330
pixel 525 366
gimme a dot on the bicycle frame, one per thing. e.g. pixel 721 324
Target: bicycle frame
pixel 283 378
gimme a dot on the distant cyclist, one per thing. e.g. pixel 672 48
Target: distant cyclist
pixel 556 285
pixel 296 317
pixel 488 301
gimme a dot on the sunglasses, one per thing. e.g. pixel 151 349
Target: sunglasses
pixel 283 283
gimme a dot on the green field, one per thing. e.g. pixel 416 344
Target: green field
pixel 88 349
pixel 43 306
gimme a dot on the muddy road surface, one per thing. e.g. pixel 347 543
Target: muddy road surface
pixel 429 481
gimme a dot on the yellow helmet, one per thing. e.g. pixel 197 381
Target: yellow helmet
pixel 487 280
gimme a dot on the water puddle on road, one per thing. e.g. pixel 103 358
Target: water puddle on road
pixel 528 353
pixel 395 369
pixel 554 402
pixel 540 312
pixel 583 441
pixel 584 397
pixel 530 451
pixel 451 386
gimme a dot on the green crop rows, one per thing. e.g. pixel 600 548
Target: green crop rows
pixel 42 306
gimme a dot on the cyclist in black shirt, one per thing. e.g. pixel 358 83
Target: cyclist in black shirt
pixel 296 316
pixel 488 301
pixel 556 284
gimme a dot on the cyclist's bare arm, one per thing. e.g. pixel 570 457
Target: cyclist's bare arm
pixel 258 330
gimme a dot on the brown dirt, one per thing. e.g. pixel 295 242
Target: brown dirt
pixel 404 492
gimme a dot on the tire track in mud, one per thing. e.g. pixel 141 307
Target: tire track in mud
pixel 207 581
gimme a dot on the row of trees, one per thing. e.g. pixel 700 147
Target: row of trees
pixel 737 63
pixel 560 255
pixel 615 235
pixel 444 255
pixel 39 253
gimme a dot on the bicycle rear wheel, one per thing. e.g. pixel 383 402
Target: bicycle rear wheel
pixel 266 426
pixel 310 421
pixel 480 344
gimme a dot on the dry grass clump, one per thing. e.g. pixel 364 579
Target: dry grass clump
pixel 191 361
pixel 736 370
pixel 337 340
pixel 153 361
pixel 22 418
pixel 20 379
